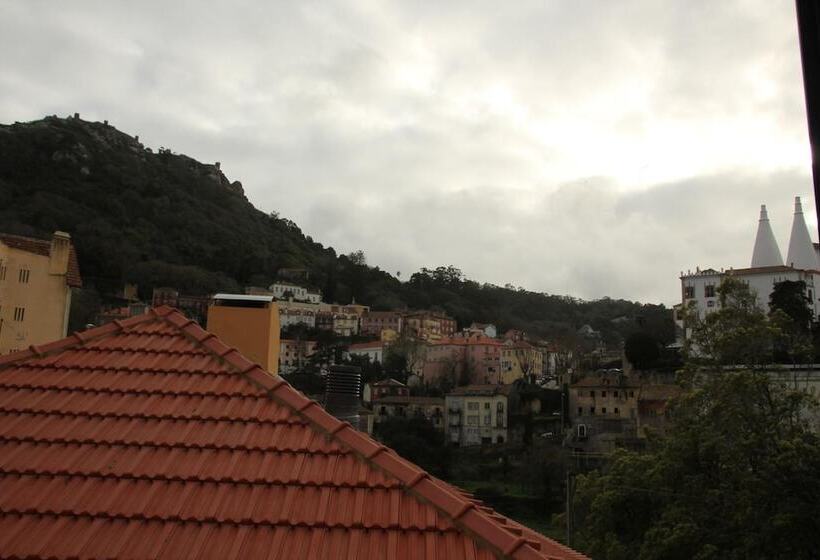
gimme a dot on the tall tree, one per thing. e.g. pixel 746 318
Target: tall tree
pixel 790 310
pixel 734 477
pixel 738 333
pixel 790 297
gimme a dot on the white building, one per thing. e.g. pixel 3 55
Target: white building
pixel 767 268
pixel 374 350
pixel 289 291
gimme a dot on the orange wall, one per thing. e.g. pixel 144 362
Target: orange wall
pixel 254 332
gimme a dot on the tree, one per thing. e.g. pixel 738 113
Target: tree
pixel 790 311
pixel 790 297
pixel 642 350
pixel 734 477
pixel 417 440
pixel 403 357
pixel 358 258
pixel 738 333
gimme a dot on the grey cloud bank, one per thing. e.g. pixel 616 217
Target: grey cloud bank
pixel 562 148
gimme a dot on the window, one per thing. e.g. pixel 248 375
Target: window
pixel 472 420
pixel 592 410
pixel 23 275
pixel 617 411
pixel 710 291
pixel 487 405
pixel 710 303
pixel 487 420
pixel 580 411
pixel 632 393
pixel 592 393
pixel 500 407
pixel 472 406
pixel 2 271
pixel 603 393
pixel 689 292
pixel 19 313
pixel 615 393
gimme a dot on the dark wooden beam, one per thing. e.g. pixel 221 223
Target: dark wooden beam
pixel 808 27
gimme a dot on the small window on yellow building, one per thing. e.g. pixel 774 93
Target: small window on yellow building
pixel 19 313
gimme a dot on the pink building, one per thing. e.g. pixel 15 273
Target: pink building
pixel 478 356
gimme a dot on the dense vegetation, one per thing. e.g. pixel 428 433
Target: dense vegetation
pixel 165 219
pixel 736 475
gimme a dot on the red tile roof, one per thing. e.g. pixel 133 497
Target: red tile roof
pixel 150 438
pixel 43 247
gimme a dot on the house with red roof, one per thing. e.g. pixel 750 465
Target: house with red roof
pixel 151 438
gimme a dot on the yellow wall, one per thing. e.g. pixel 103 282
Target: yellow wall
pixel 45 297
pixel 252 331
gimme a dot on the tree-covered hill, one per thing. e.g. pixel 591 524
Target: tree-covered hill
pixel 165 219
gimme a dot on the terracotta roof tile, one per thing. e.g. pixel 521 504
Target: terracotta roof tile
pixel 150 438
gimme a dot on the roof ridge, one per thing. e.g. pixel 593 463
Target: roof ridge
pixel 446 499
pixel 482 525
pixel 78 338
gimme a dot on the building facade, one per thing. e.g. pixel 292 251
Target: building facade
pixel 36 278
pixel 430 408
pixel 429 325
pixel 374 323
pixel 476 358
pixel 288 291
pixel 293 354
pixel 699 288
pixel 478 414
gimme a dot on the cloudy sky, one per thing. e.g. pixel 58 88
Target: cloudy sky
pixel 590 148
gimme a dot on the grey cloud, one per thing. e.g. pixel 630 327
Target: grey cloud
pixel 507 139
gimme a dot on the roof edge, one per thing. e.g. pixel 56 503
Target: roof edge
pixel 491 530
pixel 502 536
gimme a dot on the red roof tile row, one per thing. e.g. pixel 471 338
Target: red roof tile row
pixel 149 438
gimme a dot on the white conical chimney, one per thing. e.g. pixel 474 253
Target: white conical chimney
pixel 801 250
pixel 766 252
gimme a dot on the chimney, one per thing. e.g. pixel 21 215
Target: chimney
pixel 217 165
pixel 342 389
pixel 77 116
pixel 59 253
pixel 248 323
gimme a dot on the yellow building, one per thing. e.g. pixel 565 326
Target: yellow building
pixel 36 277
pixel 520 360
pixel 248 323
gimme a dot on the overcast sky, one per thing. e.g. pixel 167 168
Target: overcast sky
pixel 590 148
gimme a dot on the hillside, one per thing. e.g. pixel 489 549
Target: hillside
pixel 165 219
